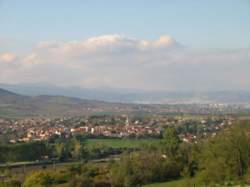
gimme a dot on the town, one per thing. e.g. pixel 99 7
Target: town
pixel 121 126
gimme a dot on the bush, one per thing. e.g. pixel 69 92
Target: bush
pixel 43 179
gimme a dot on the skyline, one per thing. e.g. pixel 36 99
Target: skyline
pixel 153 45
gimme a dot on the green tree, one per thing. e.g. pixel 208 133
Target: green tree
pixel 62 151
pixel 226 157
pixel 170 142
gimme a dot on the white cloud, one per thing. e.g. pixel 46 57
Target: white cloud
pixel 165 41
pixel 7 57
pixel 121 61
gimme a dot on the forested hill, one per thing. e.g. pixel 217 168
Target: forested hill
pixel 15 105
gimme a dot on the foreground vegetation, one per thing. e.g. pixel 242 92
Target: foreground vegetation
pixel 176 183
pixel 70 149
pixel 222 160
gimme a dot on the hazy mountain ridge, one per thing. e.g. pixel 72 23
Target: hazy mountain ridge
pixel 133 96
pixel 17 105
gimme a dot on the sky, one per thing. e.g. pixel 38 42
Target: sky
pixel 136 44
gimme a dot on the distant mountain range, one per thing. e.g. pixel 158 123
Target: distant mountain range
pixel 19 105
pixel 133 96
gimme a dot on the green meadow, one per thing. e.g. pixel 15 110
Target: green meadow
pixel 121 143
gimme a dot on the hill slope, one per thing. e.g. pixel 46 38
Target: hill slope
pixel 16 105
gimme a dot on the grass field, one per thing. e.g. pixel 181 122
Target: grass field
pixel 121 143
pixel 177 183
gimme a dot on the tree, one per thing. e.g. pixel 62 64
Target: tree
pixel 62 151
pixel 170 142
pixel 77 149
pixel 226 157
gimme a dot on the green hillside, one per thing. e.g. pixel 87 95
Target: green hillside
pixel 15 105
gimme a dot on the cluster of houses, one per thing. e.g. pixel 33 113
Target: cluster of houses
pixel 118 131
pixel 38 129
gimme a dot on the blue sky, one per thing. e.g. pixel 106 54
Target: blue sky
pixel 137 44
pixel 199 24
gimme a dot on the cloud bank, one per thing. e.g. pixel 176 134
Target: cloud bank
pixel 125 62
